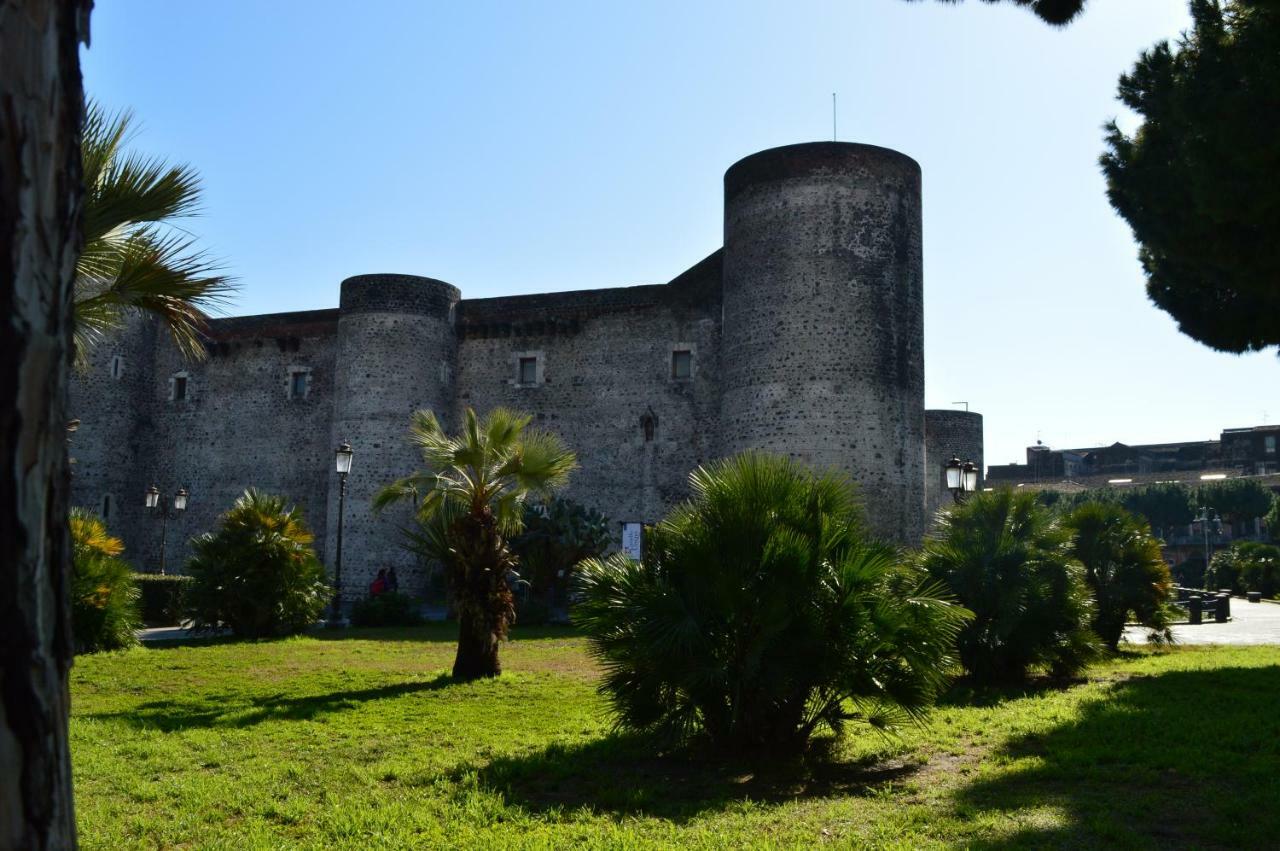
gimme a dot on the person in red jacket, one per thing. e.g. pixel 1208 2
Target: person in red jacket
pixel 379 585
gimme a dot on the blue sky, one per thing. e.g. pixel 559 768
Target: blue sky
pixel 519 147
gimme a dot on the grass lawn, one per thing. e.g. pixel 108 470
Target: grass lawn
pixel 363 742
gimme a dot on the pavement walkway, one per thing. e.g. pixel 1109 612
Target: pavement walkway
pixel 1251 623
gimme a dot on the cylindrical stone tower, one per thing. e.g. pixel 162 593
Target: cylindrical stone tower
pixel 949 434
pixel 396 354
pixel 823 332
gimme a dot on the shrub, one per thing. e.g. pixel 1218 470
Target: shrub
pixel 1124 568
pixel 558 534
pixel 390 609
pixel 1246 566
pixel 1006 558
pixel 104 599
pixel 760 614
pixel 163 597
pixel 256 573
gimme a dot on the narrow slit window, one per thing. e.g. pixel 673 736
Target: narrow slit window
pixel 117 367
pixel 179 388
pixel 528 370
pixel 682 364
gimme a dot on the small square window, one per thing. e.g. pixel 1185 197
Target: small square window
pixel 682 364
pixel 297 385
pixel 179 388
pixel 528 370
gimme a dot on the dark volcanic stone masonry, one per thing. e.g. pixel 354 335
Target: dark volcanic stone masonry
pixel 803 336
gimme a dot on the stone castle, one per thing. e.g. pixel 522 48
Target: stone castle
pixel 802 336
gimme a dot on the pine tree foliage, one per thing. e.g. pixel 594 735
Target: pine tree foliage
pixel 1199 180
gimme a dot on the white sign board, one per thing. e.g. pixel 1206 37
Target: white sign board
pixel 631 536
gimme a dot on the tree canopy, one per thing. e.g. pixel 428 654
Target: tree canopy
pixel 1199 180
pixel 1057 12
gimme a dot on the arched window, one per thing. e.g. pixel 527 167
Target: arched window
pixel 648 426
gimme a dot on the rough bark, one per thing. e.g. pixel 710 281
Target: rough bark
pixel 41 105
pixel 486 607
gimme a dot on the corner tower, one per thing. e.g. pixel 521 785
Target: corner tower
pixel 397 353
pixel 823 331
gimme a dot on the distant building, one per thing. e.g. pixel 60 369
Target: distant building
pixel 1238 452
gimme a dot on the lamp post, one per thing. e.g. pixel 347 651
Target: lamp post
pixel 962 479
pixel 159 507
pixel 1206 516
pixel 342 462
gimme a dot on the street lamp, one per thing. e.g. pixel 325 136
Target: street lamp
pixel 962 479
pixel 159 508
pixel 342 462
pixel 1207 516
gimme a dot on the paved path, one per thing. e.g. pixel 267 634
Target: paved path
pixel 1251 623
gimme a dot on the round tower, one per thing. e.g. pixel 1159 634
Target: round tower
pixel 949 434
pixel 396 355
pixel 823 332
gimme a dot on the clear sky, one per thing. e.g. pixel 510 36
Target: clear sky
pixel 525 147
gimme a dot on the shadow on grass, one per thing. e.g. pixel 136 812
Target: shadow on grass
pixel 627 774
pixel 434 632
pixel 230 711
pixel 1187 758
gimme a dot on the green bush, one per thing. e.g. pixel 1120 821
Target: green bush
pixel 389 609
pixel 257 573
pixel 1246 566
pixel 104 599
pixel 163 597
pixel 761 614
pixel 558 534
pixel 1125 570
pixel 1006 558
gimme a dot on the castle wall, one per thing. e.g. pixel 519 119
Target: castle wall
pixel 949 434
pixel 823 319
pixel 111 395
pixel 605 364
pixel 237 428
pixel 803 336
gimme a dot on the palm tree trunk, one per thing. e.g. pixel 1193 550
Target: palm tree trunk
pixel 41 104
pixel 486 607
pixel 477 655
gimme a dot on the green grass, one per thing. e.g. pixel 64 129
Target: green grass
pixel 363 742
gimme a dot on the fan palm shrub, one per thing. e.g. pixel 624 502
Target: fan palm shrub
pixel 760 613
pixel 469 503
pixel 1006 558
pixel 256 573
pixel 104 598
pixel 1124 568
pixel 136 256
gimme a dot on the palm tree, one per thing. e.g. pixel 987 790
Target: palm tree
pixel 135 257
pixel 1124 567
pixel 1007 559
pixel 470 501
pixel 760 613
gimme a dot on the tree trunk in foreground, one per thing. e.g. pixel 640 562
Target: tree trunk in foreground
pixel 486 607
pixel 41 104
pixel 477 648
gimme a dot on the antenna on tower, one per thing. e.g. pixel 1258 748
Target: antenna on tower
pixel 966 405
pixel 833 117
